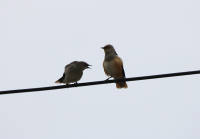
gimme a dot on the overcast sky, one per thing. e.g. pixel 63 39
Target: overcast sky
pixel 39 37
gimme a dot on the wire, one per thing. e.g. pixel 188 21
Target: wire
pixel 101 82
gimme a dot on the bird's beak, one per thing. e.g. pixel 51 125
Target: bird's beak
pixel 102 47
pixel 89 67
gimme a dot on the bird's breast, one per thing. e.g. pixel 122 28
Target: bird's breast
pixel 110 68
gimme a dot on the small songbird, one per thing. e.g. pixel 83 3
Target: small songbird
pixel 113 66
pixel 73 72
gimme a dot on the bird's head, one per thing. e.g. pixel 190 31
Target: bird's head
pixel 108 49
pixel 83 65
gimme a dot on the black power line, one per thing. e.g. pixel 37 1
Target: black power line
pixel 101 82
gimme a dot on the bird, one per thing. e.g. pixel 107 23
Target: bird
pixel 113 66
pixel 73 72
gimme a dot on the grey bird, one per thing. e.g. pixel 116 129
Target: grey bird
pixel 73 72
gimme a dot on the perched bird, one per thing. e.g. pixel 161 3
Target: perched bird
pixel 113 65
pixel 73 72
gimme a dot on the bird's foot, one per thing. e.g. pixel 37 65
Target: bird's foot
pixel 107 79
pixel 76 84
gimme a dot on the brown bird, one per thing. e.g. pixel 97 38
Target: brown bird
pixel 113 66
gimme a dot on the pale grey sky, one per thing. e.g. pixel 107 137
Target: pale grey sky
pixel 38 38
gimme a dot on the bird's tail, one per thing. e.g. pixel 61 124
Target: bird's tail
pixel 120 85
pixel 60 80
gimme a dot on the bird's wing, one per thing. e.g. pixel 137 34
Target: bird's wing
pixel 123 72
pixel 119 65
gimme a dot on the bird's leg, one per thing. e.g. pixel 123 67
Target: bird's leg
pixel 108 79
pixel 116 79
pixel 67 85
pixel 76 84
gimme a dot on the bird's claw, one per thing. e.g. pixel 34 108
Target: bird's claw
pixel 76 84
pixel 107 79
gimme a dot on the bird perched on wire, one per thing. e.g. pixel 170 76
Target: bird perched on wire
pixel 113 66
pixel 73 72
